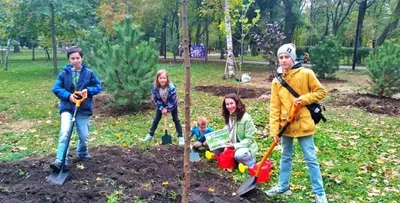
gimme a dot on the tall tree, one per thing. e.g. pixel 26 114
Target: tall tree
pixel 292 17
pixel 341 10
pixel 391 27
pixel 364 5
pixel 229 45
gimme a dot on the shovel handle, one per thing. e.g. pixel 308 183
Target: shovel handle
pixel 81 97
pixel 294 112
pixel 165 122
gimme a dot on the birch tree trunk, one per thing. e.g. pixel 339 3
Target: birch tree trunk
pixel 7 53
pixel 229 45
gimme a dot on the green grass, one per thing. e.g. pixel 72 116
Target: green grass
pixel 358 152
pixel 26 55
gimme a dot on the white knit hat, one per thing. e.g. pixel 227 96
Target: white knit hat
pixel 289 49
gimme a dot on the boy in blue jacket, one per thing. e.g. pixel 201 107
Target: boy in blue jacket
pixel 200 131
pixel 75 77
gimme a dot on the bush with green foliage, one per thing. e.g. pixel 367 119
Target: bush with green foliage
pixel 384 69
pixel 125 63
pixel 325 57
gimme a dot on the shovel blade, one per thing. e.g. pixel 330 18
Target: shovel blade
pixel 58 177
pixel 247 186
pixel 194 156
pixel 166 139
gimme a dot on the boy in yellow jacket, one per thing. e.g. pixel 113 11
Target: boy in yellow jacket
pixel 305 83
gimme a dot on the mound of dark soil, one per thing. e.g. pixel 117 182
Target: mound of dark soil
pixel 368 102
pixel 155 175
pixel 243 92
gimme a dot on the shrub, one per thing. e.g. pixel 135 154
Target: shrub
pixel 325 57
pixel 125 63
pixel 384 69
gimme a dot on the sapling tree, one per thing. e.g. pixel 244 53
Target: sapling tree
pixel 270 40
pixel 124 62
pixel 384 69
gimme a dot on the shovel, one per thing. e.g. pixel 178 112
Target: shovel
pixel 194 156
pixel 59 177
pixel 250 184
pixel 166 138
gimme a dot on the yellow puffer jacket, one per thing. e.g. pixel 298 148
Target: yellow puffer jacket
pixel 305 83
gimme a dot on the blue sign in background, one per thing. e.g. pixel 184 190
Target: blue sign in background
pixel 197 52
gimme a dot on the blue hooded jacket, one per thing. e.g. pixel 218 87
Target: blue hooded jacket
pixel 200 137
pixel 64 87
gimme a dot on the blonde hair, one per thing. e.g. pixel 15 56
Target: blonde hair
pixel 201 120
pixel 156 83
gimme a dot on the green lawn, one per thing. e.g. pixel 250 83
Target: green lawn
pixel 358 151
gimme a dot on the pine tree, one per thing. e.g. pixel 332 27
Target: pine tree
pixel 125 63
pixel 383 69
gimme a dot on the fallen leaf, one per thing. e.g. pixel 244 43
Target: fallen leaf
pixel 80 166
pixel 17 149
pixel 164 183
pixel 211 189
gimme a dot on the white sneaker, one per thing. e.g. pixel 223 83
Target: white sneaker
pixel 321 199
pixel 277 191
pixel 148 138
pixel 181 141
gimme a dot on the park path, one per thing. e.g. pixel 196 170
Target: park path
pixel 180 59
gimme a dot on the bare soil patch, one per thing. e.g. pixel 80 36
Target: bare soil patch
pixel 243 92
pixel 342 97
pixel 368 102
pixel 155 175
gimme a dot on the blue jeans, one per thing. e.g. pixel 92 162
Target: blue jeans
pixel 82 128
pixel 308 148
pixel 175 118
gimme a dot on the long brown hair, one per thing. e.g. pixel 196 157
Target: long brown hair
pixel 156 83
pixel 240 107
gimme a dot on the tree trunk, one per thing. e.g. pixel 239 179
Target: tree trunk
pixel 165 36
pixel 341 16
pixel 229 46
pixel 290 21
pixel 53 39
pixel 47 53
pixel 33 53
pixel 326 32
pixel 175 48
pixel 198 29
pixel 206 48
pixel 163 39
pixel 186 163
pixel 7 53
pixel 17 49
pixel 360 21
pixel 221 49
pixel 177 28
pixel 361 13
pixel 391 27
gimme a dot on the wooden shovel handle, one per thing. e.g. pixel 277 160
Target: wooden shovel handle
pixel 165 122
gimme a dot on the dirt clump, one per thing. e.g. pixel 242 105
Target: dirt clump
pixel 368 102
pixel 132 174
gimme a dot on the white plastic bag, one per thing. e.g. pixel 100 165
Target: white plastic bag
pixel 246 77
